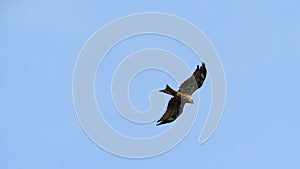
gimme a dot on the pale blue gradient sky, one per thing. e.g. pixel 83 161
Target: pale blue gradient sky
pixel 257 41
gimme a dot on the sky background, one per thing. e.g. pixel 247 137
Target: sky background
pixel 258 43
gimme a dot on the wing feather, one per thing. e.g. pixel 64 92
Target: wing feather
pixel 174 109
pixel 190 85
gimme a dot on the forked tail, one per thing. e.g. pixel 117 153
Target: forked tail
pixel 169 90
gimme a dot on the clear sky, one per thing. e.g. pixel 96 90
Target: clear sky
pixel 258 44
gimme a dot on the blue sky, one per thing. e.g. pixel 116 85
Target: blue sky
pixel 257 41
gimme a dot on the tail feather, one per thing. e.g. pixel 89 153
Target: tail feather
pixel 169 90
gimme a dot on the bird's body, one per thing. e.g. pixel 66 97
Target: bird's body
pixel 183 95
pixel 179 95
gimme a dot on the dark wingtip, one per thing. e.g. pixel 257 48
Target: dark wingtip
pixel 203 65
pixel 159 122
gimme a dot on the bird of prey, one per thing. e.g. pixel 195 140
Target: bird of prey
pixel 183 95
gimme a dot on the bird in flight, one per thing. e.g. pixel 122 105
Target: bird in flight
pixel 183 95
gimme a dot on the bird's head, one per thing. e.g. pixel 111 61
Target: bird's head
pixel 191 101
pixel 187 99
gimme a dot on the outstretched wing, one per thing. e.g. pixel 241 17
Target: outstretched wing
pixel 174 109
pixel 190 85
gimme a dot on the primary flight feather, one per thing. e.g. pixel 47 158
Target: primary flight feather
pixel 183 95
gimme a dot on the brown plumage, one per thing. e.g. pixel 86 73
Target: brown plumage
pixel 183 95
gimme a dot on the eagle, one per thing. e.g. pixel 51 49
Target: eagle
pixel 183 95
